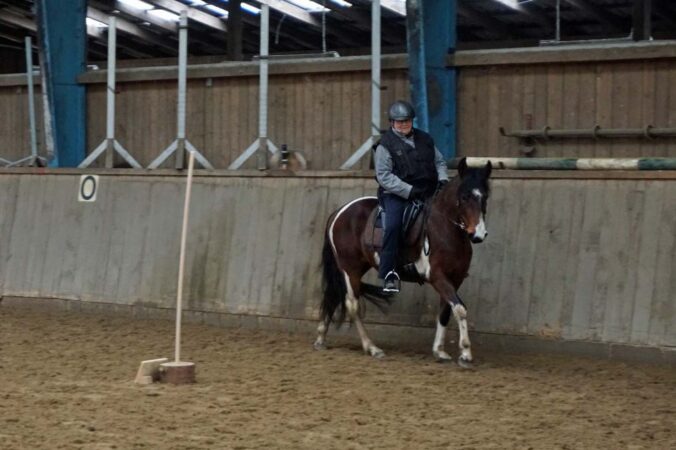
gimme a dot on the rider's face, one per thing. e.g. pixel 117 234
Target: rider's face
pixel 403 126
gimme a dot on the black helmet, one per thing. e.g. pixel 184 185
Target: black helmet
pixel 401 110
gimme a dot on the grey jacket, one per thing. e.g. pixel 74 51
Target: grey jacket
pixel 392 183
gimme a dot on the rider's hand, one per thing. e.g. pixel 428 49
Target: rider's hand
pixel 416 193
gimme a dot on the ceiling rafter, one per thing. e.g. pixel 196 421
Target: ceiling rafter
pixel 292 10
pixel 130 28
pixel 362 20
pixel 195 14
pixel 170 26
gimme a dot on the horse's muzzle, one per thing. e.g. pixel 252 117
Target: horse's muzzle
pixel 478 239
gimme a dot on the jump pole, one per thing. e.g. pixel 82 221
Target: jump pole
pixel 181 372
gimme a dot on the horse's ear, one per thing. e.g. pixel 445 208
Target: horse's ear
pixel 488 168
pixel 462 167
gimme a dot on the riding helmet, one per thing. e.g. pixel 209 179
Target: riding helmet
pixel 401 110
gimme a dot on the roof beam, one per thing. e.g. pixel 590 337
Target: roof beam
pixel 393 5
pixel 127 27
pixel 600 14
pixel 292 11
pixel 167 25
pixel 12 18
pixel 202 17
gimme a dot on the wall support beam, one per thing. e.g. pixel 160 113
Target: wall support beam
pixel 642 24
pixel 62 43
pixel 431 36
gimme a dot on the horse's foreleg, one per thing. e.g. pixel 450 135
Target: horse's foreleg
pixel 440 337
pixel 451 302
pixel 352 304
pixel 460 314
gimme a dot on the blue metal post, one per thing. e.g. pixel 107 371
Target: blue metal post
pixel 63 41
pixel 431 34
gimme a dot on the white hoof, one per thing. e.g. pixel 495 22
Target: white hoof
pixel 441 356
pixel 376 352
pixel 465 363
pixel 319 345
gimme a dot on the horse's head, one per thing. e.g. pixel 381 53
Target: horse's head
pixel 471 198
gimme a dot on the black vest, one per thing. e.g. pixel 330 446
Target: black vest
pixel 415 166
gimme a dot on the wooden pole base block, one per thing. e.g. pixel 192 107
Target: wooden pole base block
pixel 149 371
pixel 180 372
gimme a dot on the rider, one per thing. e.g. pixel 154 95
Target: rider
pixel 408 167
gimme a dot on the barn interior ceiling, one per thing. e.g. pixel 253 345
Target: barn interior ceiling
pixel 147 28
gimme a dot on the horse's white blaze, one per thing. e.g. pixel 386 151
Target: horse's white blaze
pixel 477 193
pixel 335 219
pixel 481 231
pixel 422 265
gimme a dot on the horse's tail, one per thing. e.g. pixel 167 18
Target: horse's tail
pixel 334 288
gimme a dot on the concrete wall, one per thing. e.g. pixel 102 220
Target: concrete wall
pixel 589 259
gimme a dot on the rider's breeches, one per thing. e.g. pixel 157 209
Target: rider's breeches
pixel 394 210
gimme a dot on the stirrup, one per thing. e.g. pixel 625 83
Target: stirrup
pixel 392 282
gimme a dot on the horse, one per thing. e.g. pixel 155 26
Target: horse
pixel 438 250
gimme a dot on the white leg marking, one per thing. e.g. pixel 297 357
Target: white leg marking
pixel 460 314
pixel 321 336
pixel 376 258
pixel 438 347
pixel 481 231
pixel 350 301
pixel 422 265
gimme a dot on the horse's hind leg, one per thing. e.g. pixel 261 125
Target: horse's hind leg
pixel 322 329
pixel 352 301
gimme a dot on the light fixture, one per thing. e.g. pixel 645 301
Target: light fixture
pixel 342 3
pixel 308 5
pixel 250 8
pixel 216 10
pixel 138 4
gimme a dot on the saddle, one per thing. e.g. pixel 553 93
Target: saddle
pixel 412 230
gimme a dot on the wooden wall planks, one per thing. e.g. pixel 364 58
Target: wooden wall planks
pixel 326 113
